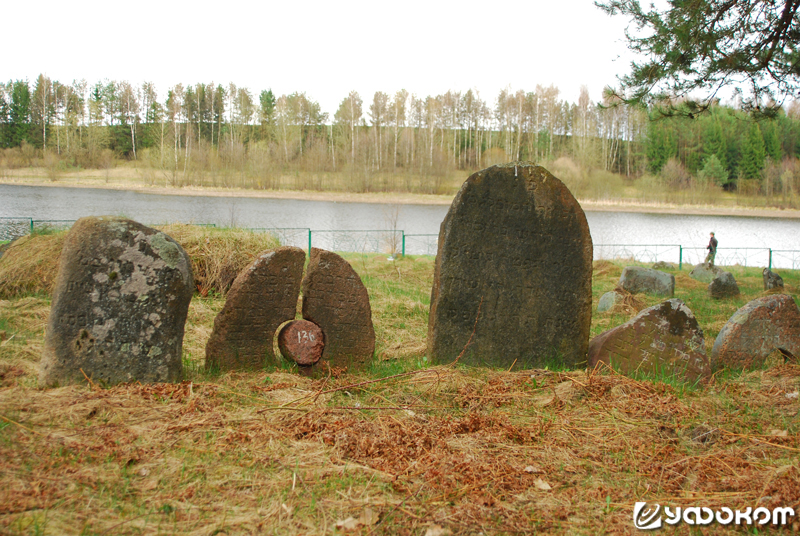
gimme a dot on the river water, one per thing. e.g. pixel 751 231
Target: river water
pixel 341 226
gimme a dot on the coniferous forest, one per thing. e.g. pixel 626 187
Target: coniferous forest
pixel 226 136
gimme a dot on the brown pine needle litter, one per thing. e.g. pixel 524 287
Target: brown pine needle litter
pixel 406 448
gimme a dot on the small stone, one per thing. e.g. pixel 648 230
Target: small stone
pixel 663 340
pixel 772 280
pixel 119 306
pixel 636 279
pixel 723 286
pixel 663 265
pixel 756 330
pixel 301 341
pixel 608 300
pixel 705 273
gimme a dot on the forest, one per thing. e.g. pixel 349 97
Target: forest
pixel 226 136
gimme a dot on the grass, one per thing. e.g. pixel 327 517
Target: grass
pixel 402 449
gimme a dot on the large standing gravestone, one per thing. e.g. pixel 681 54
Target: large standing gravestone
pixel 756 330
pixel 335 299
pixel 119 306
pixel 513 276
pixel 262 297
pixel 663 340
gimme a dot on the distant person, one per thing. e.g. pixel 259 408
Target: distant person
pixel 712 250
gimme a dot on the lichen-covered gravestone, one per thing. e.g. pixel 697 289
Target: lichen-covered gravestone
pixel 119 306
pixel 723 286
pixel 756 330
pixel 262 297
pixel 772 280
pixel 513 276
pixel 335 299
pixel 664 340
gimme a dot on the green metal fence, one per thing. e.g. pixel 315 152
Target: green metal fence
pixel 397 242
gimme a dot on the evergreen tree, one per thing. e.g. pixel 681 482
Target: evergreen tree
pixel 714 172
pixel 753 153
pixel 266 112
pixel 661 144
pixel 772 145
pixel 19 114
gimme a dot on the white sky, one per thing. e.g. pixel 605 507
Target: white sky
pixel 325 49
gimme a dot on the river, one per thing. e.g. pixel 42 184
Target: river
pixel 339 225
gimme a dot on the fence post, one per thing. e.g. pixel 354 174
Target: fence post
pixel 770 259
pixel 31 225
pixel 309 243
pixel 680 257
pixel 403 234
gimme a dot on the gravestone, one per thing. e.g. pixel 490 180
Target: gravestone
pixel 119 305
pixel 513 275
pixel 663 265
pixel 263 296
pixel 705 273
pixel 636 279
pixel 608 300
pixel 723 286
pixel 772 280
pixel 302 342
pixel 335 299
pixel 756 330
pixel 662 341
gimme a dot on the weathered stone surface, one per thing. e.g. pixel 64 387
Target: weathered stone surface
pixel 723 286
pixel 663 265
pixel 705 273
pixel 513 276
pixel 263 296
pixel 337 301
pixel 756 330
pixel 663 340
pixel 608 300
pixel 119 306
pixel 772 280
pixel 636 279
pixel 301 341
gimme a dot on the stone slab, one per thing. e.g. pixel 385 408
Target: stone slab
pixel 119 306
pixel 637 279
pixel 513 274
pixel 723 286
pixel 756 330
pixel 661 341
pixel 705 273
pixel 263 296
pixel 337 301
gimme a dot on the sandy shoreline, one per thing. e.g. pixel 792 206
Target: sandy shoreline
pixel 407 198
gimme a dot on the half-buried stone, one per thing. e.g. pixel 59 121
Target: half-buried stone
pixel 335 299
pixel 636 279
pixel 119 306
pixel 723 286
pixel 662 341
pixel 705 273
pixel 513 275
pixel 756 330
pixel 263 296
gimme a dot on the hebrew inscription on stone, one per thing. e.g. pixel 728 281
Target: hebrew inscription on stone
pixel 513 276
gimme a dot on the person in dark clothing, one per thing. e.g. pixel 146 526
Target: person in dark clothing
pixel 712 250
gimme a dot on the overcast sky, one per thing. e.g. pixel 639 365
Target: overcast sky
pixel 325 49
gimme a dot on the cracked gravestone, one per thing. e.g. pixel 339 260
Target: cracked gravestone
pixel 263 296
pixel 664 340
pixel 513 274
pixel 756 330
pixel 335 299
pixel 119 306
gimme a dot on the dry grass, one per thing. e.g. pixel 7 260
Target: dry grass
pixel 402 450
pixel 30 264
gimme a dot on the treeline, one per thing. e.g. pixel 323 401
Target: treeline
pixel 224 135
